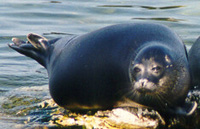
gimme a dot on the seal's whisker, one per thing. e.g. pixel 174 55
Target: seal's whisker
pixel 161 101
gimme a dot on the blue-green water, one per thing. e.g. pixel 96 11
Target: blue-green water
pixel 21 77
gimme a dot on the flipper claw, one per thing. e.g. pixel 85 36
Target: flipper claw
pixel 17 42
pixel 187 109
pixel 38 41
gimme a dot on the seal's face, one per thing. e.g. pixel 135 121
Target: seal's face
pixel 153 77
pixel 147 75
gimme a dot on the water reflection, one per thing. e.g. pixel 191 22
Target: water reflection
pixel 161 19
pixel 118 6
pixel 166 7
pixel 57 33
pixel 146 7
pixel 55 1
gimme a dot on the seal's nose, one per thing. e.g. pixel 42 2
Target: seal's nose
pixel 143 82
pixel 145 86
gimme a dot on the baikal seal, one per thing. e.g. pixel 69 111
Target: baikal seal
pixel 123 65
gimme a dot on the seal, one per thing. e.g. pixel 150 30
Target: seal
pixel 194 61
pixel 116 66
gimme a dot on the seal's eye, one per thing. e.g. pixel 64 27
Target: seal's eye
pixel 137 70
pixel 156 69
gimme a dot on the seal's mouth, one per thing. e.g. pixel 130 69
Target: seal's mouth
pixel 144 90
pixel 144 86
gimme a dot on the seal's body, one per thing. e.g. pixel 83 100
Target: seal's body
pixel 194 60
pixel 143 63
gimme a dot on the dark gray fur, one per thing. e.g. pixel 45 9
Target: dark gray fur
pixel 94 70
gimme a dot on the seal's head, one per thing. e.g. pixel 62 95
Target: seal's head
pixel 155 74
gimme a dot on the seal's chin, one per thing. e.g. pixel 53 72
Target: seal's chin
pixel 145 86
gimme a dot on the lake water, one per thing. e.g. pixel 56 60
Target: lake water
pixel 24 83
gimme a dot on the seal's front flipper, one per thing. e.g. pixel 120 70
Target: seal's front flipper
pixel 36 47
pixel 187 109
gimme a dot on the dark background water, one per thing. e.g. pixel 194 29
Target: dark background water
pixel 62 17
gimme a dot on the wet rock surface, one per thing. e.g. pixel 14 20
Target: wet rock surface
pixel 56 116
pixel 43 113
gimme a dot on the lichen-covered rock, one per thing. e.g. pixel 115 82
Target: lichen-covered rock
pixel 45 113
pixel 121 118
pixel 116 118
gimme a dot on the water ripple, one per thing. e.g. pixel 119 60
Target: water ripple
pixel 146 7
pixel 164 7
pixel 161 19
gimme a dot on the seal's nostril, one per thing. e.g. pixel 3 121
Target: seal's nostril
pixel 142 84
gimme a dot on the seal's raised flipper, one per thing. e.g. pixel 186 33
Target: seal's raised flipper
pixel 21 46
pixel 36 47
